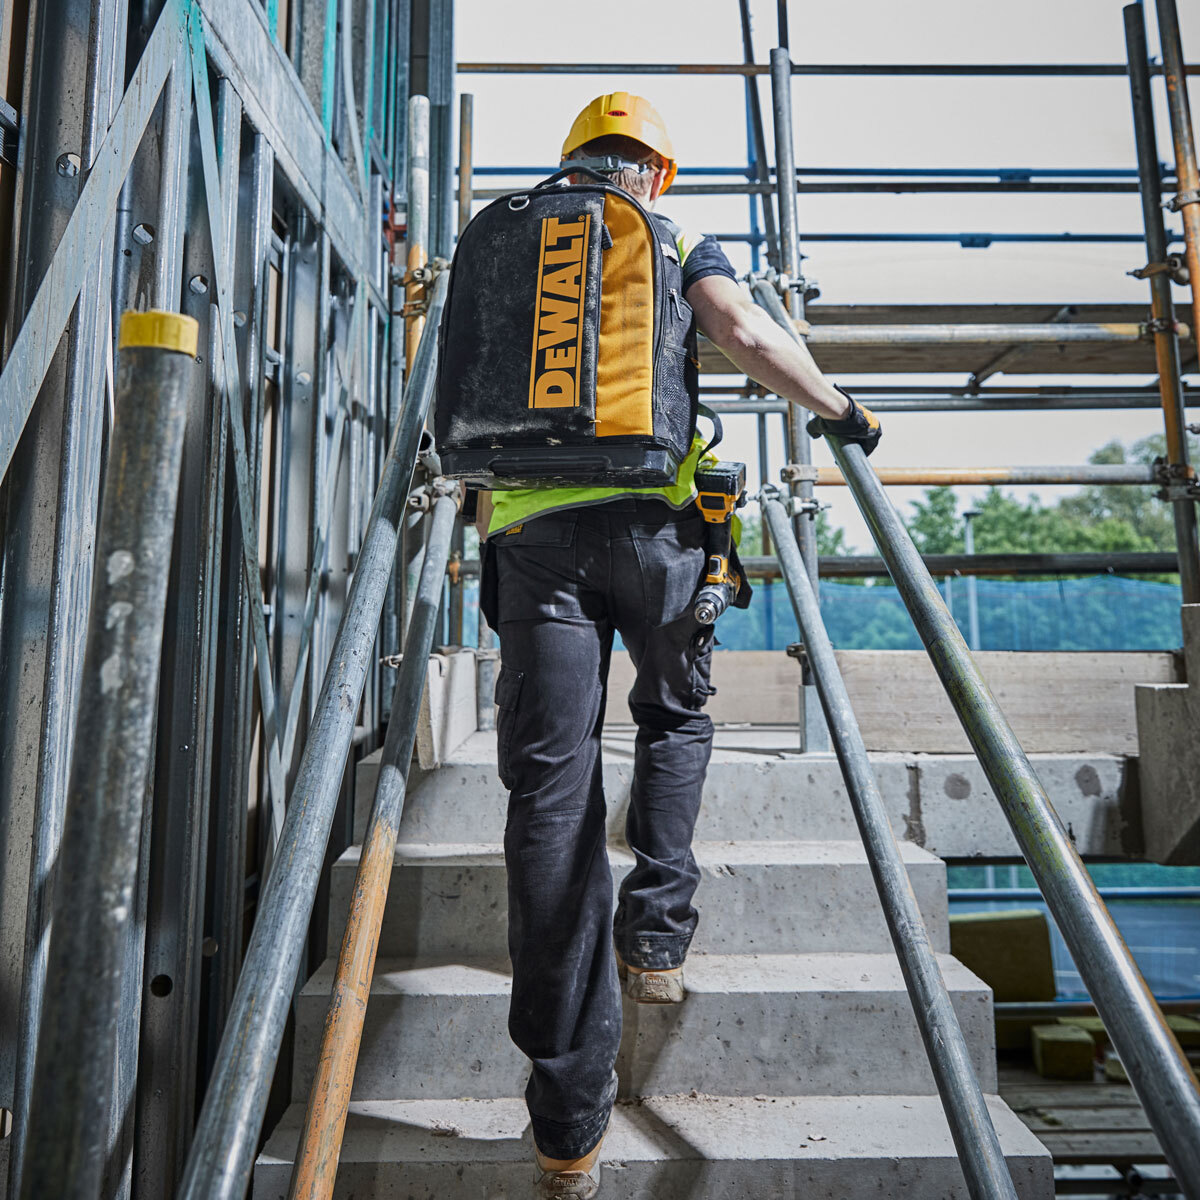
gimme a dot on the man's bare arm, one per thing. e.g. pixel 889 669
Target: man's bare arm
pixel 727 316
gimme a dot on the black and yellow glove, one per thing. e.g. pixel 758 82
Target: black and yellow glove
pixel 859 425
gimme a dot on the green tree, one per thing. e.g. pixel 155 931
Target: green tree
pixel 1007 525
pixel 935 525
pixel 829 539
pixel 1139 507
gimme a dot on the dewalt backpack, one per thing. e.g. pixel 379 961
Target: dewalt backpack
pixel 567 353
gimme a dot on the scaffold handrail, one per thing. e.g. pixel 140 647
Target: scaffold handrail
pixel 975 1137
pixel 315 1167
pixel 222 1154
pixel 1156 1066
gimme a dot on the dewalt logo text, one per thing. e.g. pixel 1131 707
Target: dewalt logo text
pixel 562 278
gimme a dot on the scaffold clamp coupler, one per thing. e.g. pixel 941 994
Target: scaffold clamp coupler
pixel 1180 199
pixel 798 473
pixel 797 651
pixel 1158 325
pixel 1175 267
pixel 1181 493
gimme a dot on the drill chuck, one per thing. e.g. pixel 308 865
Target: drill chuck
pixel 711 601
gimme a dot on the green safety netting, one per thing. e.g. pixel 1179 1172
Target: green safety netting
pixel 1101 612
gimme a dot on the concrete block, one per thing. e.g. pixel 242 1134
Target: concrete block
pixel 1114 1069
pixel 1012 1033
pixel 450 901
pixel 666 1148
pixel 1094 795
pixel 1092 1026
pixel 1063 1052
pixel 448 714
pixel 1010 951
pixel 1185 1029
pixel 805 1024
pixel 1169 772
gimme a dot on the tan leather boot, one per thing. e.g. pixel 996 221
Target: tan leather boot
pixel 569 1178
pixel 651 986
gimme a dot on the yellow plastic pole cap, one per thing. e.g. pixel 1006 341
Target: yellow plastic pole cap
pixel 160 331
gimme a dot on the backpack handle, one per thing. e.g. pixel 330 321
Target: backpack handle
pixel 577 170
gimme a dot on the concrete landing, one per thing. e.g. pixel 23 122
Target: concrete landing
pixel 693 1146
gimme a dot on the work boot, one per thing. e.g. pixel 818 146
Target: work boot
pixel 569 1178
pixel 651 986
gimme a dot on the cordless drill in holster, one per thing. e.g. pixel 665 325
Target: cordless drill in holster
pixel 721 489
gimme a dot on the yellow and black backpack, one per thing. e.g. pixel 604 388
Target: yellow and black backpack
pixel 567 353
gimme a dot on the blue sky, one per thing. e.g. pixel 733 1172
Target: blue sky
pixel 880 121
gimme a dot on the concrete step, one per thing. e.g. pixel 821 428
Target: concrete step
pixel 746 796
pixel 803 1024
pixel 666 1148
pixel 758 788
pixel 754 897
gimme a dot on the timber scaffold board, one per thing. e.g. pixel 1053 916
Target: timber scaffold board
pixel 1082 1123
pixel 1062 358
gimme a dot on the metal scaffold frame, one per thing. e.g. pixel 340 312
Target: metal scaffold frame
pixel 245 165
pixel 764 181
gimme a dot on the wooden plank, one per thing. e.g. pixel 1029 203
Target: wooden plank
pixel 1129 1119
pixel 1119 1149
pixel 1064 358
pixel 1070 358
pixel 1061 1096
pixel 1057 702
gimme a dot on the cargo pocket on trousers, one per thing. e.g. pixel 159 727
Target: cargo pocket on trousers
pixel 701 652
pixel 671 558
pixel 508 692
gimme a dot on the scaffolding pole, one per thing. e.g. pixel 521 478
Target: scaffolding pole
pixel 1166 343
pixel 814 731
pixel 1187 200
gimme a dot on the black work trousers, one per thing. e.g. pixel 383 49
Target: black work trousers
pixel 558 587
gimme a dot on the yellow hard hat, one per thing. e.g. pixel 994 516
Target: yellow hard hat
pixel 629 116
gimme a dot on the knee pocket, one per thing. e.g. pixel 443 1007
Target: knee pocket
pixel 700 655
pixel 508 693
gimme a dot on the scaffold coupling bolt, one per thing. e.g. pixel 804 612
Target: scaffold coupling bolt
pixel 1180 199
pixel 800 507
pixel 1175 267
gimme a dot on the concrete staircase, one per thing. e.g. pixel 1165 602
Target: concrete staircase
pixel 794 1068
